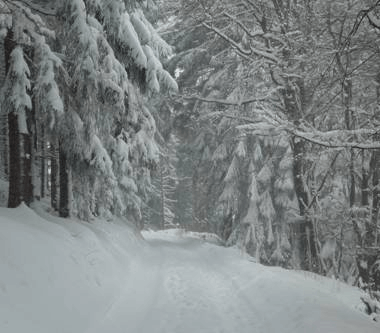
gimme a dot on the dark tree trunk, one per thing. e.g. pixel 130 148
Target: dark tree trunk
pixel 162 195
pixel 4 150
pixel 54 175
pixel 26 185
pixel 370 232
pixel 14 196
pixel 375 167
pixel 295 99
pixel 227 226
pixel 304 230
pixel 20 150
pixel 42 162
pixel 353 197
pixel 28 142
pixel 64 208
pixel 3 120
pixel 365 183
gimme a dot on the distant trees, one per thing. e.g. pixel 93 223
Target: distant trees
pixel 296 81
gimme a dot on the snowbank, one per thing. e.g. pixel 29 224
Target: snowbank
pixel 57 275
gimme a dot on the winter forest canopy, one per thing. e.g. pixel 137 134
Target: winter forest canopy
pixel 257 120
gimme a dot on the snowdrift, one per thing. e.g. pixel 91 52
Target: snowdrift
pixel 58 275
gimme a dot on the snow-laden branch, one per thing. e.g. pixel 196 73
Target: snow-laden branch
pixel 252 34
pixel 245 52
pixel 256 33
pixel 329 139
pixel 337 143
pixel 35 7
pixel 35 19
pixel 226 101
pixel 234 44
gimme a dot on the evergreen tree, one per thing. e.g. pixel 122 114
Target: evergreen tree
pixel 95 116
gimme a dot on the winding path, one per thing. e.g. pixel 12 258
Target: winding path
pixel 186 286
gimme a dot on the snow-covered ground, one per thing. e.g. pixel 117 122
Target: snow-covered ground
pixel 66 276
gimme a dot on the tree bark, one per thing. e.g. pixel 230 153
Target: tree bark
pixel 14 196
pixel 3 122
pixel 375 169
pixel 20 150
pixel 365 183
pixel 162 194
pixel 26 169
pixel 304 231
pixel 64 208
pixel 42 163
pixel 295 101
pixel 54 175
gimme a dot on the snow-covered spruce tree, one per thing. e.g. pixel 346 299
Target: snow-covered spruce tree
pixel 49 109
pixel 107 134
pixel 263 231
pixel 17 102
pixel 22 33
pixel 164 181
pixel 183 207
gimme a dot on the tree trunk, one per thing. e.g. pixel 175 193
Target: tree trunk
pixel 20 150
pixel 375 169
pixel 295 100
pixel 227 227
pixel 26 185
pixel 349 122
pixel 3 121
pixel 304 231
pixel 4 167
pixel 54 175
pixel 370 231
pixel 42 163
pixel 14 196
pixel 365 182
pixel 64 208
pixel 353 196
pixel 162 194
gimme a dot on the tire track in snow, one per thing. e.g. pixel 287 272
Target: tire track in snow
pixel 211 293
pixel 183 289
pixel 235 305
pixel 141 291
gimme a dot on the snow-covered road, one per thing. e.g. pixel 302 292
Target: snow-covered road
pixel 184 285
pixel 65 276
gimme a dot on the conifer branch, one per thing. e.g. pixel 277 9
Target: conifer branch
pixel 227 102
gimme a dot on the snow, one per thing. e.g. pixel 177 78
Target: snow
pixel 220 152
pixel 68 276
pixel 128 34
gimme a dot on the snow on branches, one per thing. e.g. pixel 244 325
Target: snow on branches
pixel 15 92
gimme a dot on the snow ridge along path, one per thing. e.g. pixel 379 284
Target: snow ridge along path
pixel 64 276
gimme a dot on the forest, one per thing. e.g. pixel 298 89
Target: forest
pixel 256 120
